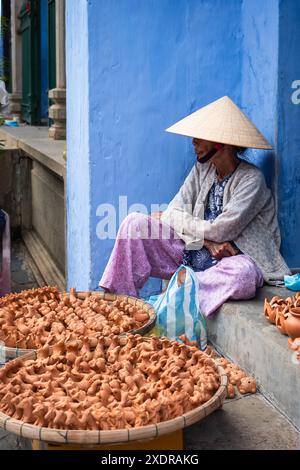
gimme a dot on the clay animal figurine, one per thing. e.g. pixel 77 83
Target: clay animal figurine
pixel 230 391
pixel 281 318
pixel 82 384
pixel 270 313
pixel 231 367
pixel 247 385
pixel 235 376
pixel 186 341
pixel 221 361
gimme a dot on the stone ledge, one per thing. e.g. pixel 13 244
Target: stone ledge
pixel 35 142
pixel 240 332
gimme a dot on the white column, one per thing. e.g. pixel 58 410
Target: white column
pixel 57 111
pixel 15 97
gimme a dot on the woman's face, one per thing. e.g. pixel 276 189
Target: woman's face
pixel 202 147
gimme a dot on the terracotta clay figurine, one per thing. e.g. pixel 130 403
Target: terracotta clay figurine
pixel 235 376
pixel 285 313
pixel 294 344
pixel 270 313
pixel 230 367
pixel 230 391
pixel 247 385
pixel 281 318
pixel 222 362
pixel 276 306
pixel 34 318
pixel 186 341
pixel 109 383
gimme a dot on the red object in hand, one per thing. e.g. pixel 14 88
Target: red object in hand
pixel 28 7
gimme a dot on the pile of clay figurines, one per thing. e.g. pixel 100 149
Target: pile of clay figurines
pixel 238 380
pixel 112 382
pixel 285 314
pixel 37 317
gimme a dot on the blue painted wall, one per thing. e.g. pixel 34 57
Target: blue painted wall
pixel 288 151
pixel 138 68
pixel 152 63
pixel 78 163
pixel 260 76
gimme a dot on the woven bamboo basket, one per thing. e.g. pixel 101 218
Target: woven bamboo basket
pixel 116 436
pixel 7 353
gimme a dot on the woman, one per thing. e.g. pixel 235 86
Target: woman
pixel 222 222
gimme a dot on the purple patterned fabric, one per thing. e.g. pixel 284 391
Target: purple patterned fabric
pixel 234 277
pixel 135 258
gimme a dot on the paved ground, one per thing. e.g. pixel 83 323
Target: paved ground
pixel 246 422
pixel 21 265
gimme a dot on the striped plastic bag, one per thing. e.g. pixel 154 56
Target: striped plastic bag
pixel 178 311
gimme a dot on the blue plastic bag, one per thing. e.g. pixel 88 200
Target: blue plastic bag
pixel 292 282
pixel 178 309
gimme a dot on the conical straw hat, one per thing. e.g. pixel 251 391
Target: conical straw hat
pixel 221 121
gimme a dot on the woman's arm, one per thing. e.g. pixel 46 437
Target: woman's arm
pixel 220 250
pixel 248 199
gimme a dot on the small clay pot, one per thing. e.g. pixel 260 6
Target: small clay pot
pixel 296 310
pixel 276 300
pixel 281 318
pixel 292 323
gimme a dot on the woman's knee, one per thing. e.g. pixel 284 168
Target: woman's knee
pixel 134 218
pixel 133 223
pixel 245 280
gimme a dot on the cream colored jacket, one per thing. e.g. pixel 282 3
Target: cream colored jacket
pixel 248 218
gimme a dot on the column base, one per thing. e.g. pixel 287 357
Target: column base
pixel 14 107
pixel 57 133
pixel 57 112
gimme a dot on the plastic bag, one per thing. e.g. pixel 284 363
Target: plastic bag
pixel 178 309
pixel 292 282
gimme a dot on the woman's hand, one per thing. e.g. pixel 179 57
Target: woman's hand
pixel 156 215
pixel 220 250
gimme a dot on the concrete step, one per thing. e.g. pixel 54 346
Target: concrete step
pixel 241 333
